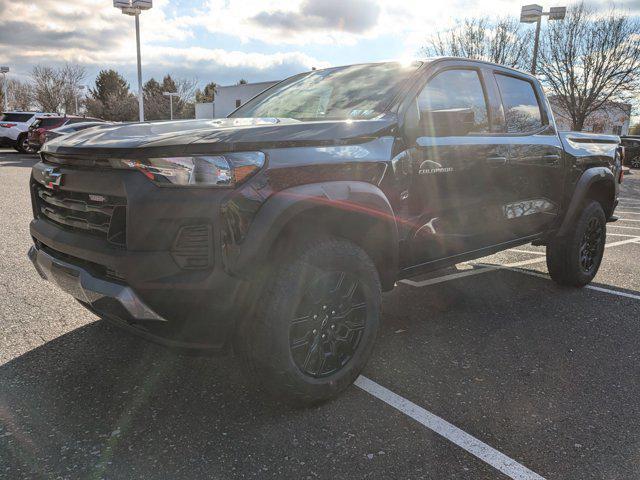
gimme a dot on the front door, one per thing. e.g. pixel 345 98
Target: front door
pixel 455 167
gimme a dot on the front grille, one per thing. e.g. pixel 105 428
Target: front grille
pixel 98 215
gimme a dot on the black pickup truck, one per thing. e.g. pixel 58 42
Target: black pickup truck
pixel 276 230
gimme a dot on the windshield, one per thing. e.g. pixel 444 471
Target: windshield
pixel 352 92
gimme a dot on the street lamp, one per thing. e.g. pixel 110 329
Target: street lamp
pixel 80 88
pixel 534 14
pixel 170 95
pixel 135 8
pixel 4 71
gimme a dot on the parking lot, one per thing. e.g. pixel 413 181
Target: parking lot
pixel 487 370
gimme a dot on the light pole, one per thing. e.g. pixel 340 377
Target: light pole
pixel 533 14
pixel 81 88
pixel 170 95
pixel 135 8
pixel 4 71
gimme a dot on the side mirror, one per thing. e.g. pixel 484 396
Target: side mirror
pixel 455 122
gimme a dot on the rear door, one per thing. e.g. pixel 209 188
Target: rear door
pixel 532 184
pixel 454 166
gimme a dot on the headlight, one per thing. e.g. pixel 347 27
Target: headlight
pixel 225 170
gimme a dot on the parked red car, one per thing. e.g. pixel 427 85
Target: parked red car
pixel 39 128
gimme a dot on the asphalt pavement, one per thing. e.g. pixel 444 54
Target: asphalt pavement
pixel 487 370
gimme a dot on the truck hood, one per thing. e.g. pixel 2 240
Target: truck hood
pixel 206 136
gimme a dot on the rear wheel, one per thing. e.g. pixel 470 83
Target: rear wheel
pixel 575 259
pixel 316 325
pixel 635 162
pixel 22 144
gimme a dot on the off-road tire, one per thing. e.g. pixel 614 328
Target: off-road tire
pixel 262 341
pixel 564 253
pixel 20 142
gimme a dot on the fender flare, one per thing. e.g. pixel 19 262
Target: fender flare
pixel 351 196
pixel 587 179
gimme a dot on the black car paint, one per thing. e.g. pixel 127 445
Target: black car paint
pixel 360 172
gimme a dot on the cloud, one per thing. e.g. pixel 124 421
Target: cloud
pixel 352 16
pixel 261 39
pixel 21 34
pixel 97 36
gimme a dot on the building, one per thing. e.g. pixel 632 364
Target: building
pixel 229 98
pixel 613 118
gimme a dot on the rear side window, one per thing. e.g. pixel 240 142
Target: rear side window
pixel 521 108
pixel 49 122
pixel 455 91
pixel 16 117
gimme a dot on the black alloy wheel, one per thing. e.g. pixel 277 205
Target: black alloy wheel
pixel 315 322
pixel 574 259
pixel 328 324
pixel 590 245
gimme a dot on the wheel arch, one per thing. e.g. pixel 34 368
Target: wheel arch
pixel 596 183
pixel 357 211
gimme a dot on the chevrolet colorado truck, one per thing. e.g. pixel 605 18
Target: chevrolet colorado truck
pixel 275 230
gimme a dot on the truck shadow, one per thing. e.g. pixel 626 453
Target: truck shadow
pixel 15 159
pixel 97 402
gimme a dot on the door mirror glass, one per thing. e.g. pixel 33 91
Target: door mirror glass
pixel 455 122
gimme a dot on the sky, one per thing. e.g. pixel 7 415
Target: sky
pixel 226 40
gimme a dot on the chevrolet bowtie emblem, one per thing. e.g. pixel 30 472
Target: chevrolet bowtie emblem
pixel 52 177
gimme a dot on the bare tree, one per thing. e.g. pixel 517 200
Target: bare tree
pixel 503 41
pixel 20 95
pixel 589 60
pixel 55 89
pixel 187 88
pixel 73 76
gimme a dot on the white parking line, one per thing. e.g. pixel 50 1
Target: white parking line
pixel 621 242
pixel 445 278
pixel 475 447
pixel 609 234
pixel 589 287
pixel 622 226
pixel 485 268
pixel 629 213
pixel 628 220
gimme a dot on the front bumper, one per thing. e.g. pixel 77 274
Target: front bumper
pixel 7 142
pixel 91 290
pixel 191 319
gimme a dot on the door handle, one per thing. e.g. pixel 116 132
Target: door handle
pixel 551 158
pixel 496 161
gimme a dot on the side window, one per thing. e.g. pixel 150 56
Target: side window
pixel 521 108
pixel 453 104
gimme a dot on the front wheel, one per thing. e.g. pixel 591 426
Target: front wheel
pixel 316 323
pixel 575 259
pixel 635 162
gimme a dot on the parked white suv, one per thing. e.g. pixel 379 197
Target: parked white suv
pixel 14 127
